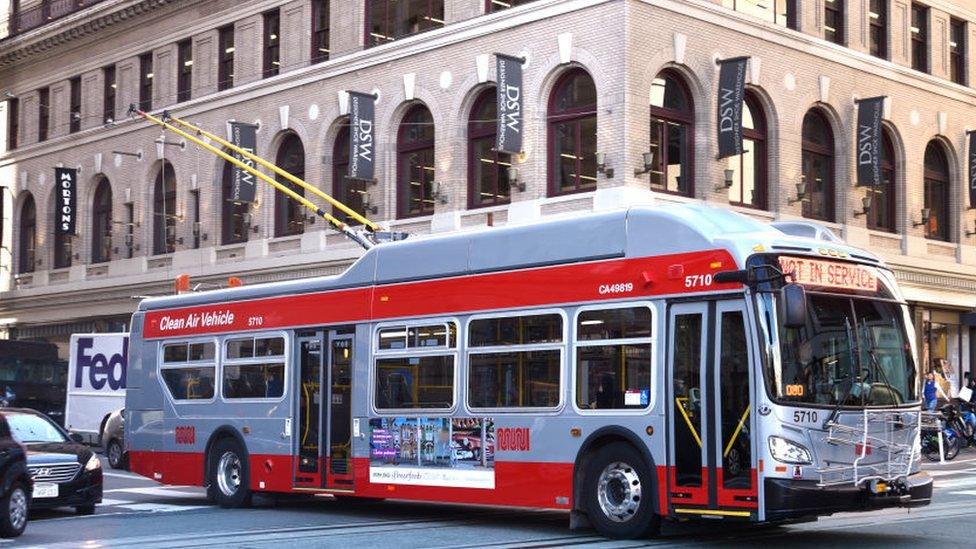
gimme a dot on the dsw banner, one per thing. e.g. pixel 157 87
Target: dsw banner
pixel 67 197
pixel 362 136
pixel 870 113
pixel 731 94
pixel 243 183
pixel 509 70
pixel 972 169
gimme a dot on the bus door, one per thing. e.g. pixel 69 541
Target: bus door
pixel 309 459
pixel 339 461
pixel 711 469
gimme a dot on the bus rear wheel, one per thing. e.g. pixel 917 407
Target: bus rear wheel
pixel 228 478
pixel 618 492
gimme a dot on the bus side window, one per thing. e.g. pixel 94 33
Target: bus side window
pixel 414 367
pixel 254 368
pixel 188 370
pixel 613 358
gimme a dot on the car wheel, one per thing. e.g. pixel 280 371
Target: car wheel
pixel 229 478
pixel 85 509
pixel 618 493
pixel 115 454
pixel 13 512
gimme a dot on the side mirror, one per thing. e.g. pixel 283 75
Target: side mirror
pixel 794 306
pixel 75 437
pixel 742 276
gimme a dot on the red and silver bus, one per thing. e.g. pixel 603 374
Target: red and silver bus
pixel 627 366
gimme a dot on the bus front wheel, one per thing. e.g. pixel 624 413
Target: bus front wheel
pixel 229 481
pixel 618 493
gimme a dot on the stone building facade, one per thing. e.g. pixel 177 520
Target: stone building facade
pixel 649 65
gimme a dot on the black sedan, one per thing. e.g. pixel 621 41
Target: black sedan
pixel 65 472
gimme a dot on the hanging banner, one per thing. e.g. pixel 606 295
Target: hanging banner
pixel 731 94
pixel 509 136
pixel 972 169
pixel 66 180
pixel 362 137
pixel 870 113
pixel 243 183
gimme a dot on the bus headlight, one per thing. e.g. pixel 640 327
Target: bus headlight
pixel 93 463
pixel 788 451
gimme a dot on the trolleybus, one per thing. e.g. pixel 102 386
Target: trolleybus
pixel 627 366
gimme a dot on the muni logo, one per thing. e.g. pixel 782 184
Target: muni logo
pixel 513 439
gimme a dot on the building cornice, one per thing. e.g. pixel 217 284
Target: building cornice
pixel 86 22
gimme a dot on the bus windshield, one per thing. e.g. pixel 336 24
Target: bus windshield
pixel 853 351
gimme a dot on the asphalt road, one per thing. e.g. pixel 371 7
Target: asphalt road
pixel 140 513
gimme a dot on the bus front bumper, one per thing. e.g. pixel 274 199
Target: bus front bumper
pixel 789 499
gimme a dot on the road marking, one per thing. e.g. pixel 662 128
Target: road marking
pixel 125 475
pixel 159 507
pixel 166 491
pixel 952 483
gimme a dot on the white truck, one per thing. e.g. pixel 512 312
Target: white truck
pixel 96 382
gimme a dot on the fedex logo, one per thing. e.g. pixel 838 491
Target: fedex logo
pixel 97 364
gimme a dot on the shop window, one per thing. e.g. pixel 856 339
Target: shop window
pixel 146 81
pixel 74 108
pixel 937 189
pixel 102 222
pixel 492 6
pixel 184 70
pixel 572 122
pixel 884 198
pixel 13 123
pixel 351 192
pixel 289 213
pixel 515 361
pixel 389 20
pixel 320 30
pixel 613 358
pixel 188 370
pixel 750 169
pixel 415 163
pixel 164 210
pixel 920 37
pixel 878 28
pixel 488 182
pixel 271 45
pixel 225 64
pixel 834 13
pixel 672 135
pixel 27 237
pixel 109 91
pixel 43 113
pixel 253 368
pixel 818 167
pixel 779 12
pixel 958 54
pixel 234 214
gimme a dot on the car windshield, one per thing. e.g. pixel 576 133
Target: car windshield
pixel 28 428
pixel 852 351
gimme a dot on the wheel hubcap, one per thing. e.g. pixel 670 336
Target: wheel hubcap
pixel 18 508
pixel 229 473
pixel 619 491
pixel 115 454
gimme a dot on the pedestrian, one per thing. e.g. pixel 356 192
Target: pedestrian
pixel 931 391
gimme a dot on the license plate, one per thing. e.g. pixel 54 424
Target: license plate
pixel 45 490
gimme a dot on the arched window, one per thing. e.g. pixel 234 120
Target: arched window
pixel 27 245
pixel 818 167
pixel 62 242
pixel 102 222
pixel 937 192
pixel 884 200
pixel 164 210
pixel 572 134
pixel 749 169
pixel 415 163
pixel 672 135
pixel 233 214
pixel 350 192
pixel 289 213
pixel 488 183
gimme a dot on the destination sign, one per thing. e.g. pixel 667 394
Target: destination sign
pixel 829 274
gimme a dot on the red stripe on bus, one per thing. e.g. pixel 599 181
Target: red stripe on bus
pixel 600 280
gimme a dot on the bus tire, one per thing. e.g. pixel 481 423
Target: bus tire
pixel 618 493
pixel 229 479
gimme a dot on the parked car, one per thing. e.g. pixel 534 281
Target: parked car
pixel 15 484
pixel 65 472
pixel 112 440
